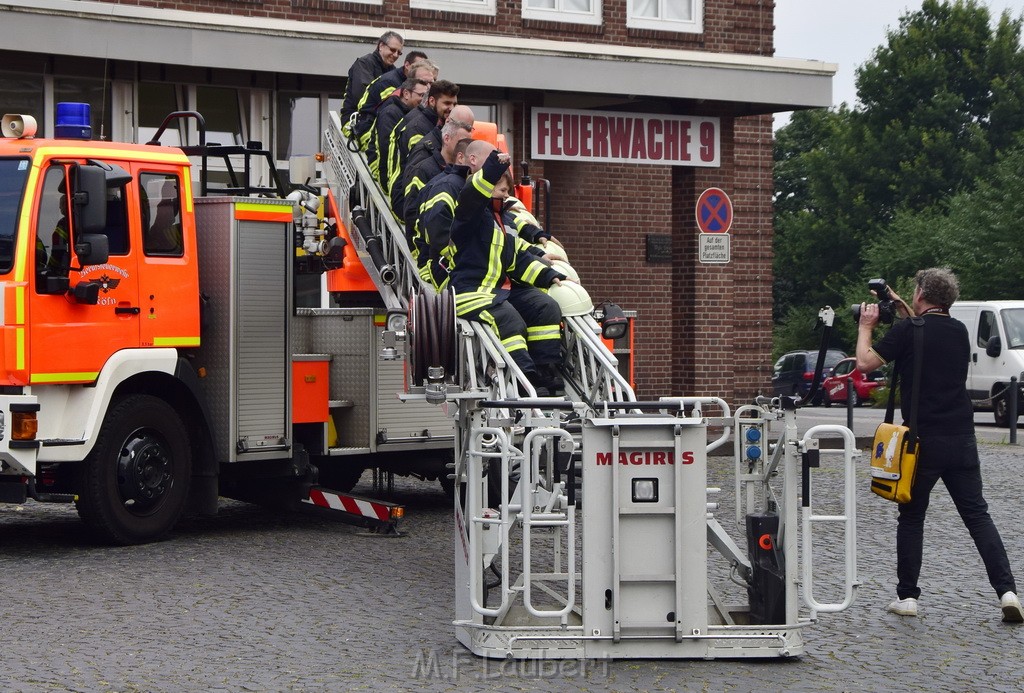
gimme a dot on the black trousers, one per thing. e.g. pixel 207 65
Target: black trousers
pixel 954 459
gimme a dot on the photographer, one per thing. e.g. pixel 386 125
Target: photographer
pixel 947 448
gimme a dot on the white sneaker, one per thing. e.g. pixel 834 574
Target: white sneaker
pixel 1012 612
pixel 903 607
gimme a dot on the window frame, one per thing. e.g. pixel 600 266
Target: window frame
pixel 693 26
pixel 486 7
pixel 145 178
pixel 594 17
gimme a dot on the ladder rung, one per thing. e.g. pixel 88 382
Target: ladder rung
pixel 648 577
pixel 637 510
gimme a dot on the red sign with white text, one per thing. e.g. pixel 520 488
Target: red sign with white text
pixel 608 136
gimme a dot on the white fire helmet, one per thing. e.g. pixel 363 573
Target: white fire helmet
pixel 572 298
pixel 566 269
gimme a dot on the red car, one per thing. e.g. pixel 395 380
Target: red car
pixel 837 384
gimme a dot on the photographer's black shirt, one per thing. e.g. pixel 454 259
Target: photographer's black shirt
pixel 944 405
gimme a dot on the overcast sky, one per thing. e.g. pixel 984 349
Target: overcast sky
pixel 846 33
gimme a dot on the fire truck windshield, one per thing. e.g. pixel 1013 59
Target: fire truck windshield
pixel 13 174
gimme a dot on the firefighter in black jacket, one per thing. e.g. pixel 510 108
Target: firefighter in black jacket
pixel 376 93
pixel 391 111
pixel 485 258
pixel 441 98
pixel 368 68
pixel 424 162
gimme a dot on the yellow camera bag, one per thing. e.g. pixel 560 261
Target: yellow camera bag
pixel 893 462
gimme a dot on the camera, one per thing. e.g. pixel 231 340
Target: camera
pixel 886 304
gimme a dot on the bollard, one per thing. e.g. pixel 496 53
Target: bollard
pixel 1011 409
pixel 849 403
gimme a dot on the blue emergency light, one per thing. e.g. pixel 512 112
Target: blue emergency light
pixel 73 121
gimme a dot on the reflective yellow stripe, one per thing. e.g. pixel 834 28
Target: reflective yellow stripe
pixel 62 377
pixel 444 197
pixel 494 268
pixel 532 272
pixel 19 305
pixel 514 343
pixel 176 341
pixel 188 193
pixel 19 339
pixel 543 332
pixel 485 187
pixel 470 301
pixel 20 264
pixel 166 155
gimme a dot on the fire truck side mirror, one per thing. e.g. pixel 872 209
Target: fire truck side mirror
pixel 90 200
pixel 92 248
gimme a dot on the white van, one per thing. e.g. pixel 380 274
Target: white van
pixel 996 331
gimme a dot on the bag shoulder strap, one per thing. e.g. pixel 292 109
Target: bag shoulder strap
pixel 916 388
pixel 894 379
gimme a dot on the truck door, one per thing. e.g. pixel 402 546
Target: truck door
pixel 168 276
pixel 70 341
pixel 985 369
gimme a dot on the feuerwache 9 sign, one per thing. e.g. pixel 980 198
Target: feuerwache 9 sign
pixel 609 136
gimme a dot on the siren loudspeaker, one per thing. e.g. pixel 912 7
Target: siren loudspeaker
pixel 14 125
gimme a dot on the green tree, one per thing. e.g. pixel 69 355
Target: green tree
pixel 862 192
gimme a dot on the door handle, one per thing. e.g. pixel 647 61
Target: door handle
pixel 130 310
pixel 974 357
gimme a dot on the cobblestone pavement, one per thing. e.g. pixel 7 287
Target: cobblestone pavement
pixel 258 601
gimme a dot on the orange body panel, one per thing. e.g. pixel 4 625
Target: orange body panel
pixel 352 276
pixel 144 301
pixel 310 391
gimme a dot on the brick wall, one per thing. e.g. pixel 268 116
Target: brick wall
pixel 730 26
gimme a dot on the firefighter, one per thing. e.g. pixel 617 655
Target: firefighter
pixel 418 122
pixel 368 68
pixel 454 134
pixel 525 319
pixel 416 66
pixel 428 158
pixel 433 223
pixel 392 110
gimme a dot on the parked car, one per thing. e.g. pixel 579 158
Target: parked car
pixel 996 330
pixel 794 371
pixel 846 381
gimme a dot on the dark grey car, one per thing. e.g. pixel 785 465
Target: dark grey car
pixel 794 371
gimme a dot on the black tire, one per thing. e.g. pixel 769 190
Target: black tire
pixel 1001 411
pixel 135 481
pixel 338 474
pixel 826 401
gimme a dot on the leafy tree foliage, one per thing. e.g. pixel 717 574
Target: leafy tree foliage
pixel 909 178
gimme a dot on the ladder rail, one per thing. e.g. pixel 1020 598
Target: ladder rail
pixel 530 479
pixel 848 520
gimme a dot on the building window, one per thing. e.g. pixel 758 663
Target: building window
pixel 573 11
pixel 465 6
pixel 666 15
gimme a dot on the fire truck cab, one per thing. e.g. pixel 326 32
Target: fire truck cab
pixel 152 353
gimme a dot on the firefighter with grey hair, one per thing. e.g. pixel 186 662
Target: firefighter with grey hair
pixel 368 68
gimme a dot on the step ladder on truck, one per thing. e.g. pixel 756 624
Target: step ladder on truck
pixel 644 569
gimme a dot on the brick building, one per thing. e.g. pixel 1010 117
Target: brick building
pixel 693 80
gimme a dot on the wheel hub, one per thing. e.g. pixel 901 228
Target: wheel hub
pixel 143 472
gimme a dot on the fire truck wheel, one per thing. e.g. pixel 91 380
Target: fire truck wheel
pixel 135 480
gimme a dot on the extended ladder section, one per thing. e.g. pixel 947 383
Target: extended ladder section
pixel 630 573
pixel 483 363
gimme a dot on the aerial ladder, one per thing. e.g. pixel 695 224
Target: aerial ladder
pixel 644 569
